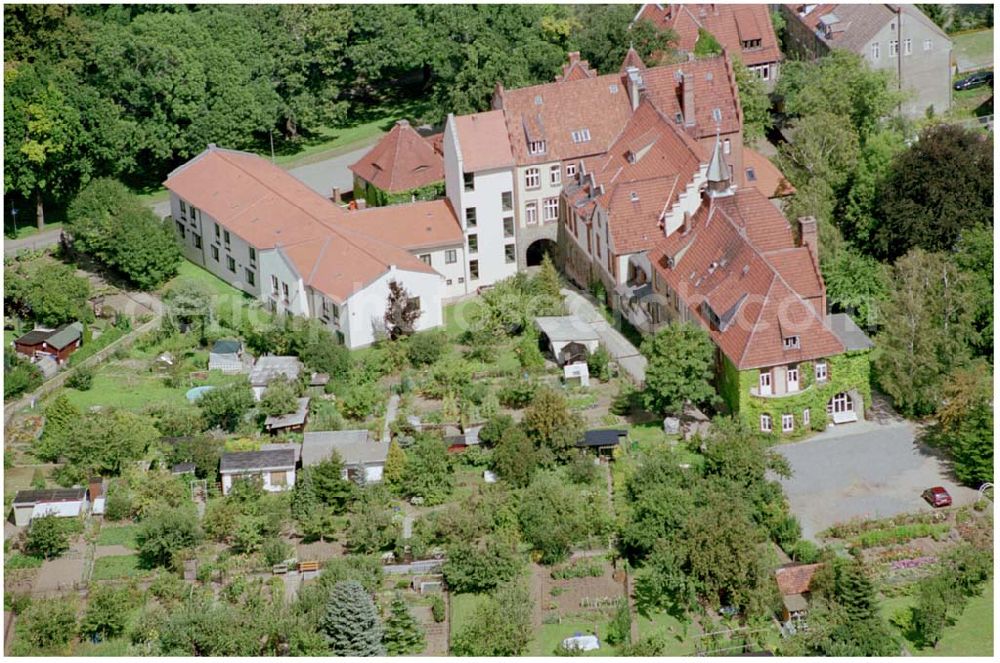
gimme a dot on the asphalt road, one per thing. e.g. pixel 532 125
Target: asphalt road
pixel 876 472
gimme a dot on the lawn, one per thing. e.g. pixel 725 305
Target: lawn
pixel 116 567
pixel 550 636
pixel 974 49
pixel 462 607
pixel 123 535
pixel 970 635
pixel 14 561
pixel 457 316
pixel 674 633
pixel 28 229
pixel 125 390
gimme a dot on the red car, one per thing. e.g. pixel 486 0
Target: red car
pixel 937 497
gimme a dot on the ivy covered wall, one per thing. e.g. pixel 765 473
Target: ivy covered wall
pixel 376 197
pixel 846 372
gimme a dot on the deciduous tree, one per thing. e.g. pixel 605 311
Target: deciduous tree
pixel 680 368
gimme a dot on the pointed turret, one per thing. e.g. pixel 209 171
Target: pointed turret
pixel 719 176
pixel 632 59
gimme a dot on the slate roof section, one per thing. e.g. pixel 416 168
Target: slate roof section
pixel 269 367
pixel 254 461
pixel 57 338
pixel 353 446
pixel 483 141
pixel 421 225
pixel 26 497
pixel 849 333
pixel 719 264
pixel 297 418
pixel 607 437
pixel 400 161
pixel 731 25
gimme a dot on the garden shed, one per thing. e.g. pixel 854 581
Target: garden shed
pixel 293 422
pixel 226 355
pixel 568 337
pixel 57 343
pixel 274 467
pixel 269 368
pixel 603 441
pixel 794 582
pixel 62 502
pixel 354 447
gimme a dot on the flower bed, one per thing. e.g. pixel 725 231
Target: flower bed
pixel 900 534
pixel 855 528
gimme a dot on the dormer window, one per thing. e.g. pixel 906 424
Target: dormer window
pixel 536 147
pixel 790 342
pixel 581 136
pixel 717 114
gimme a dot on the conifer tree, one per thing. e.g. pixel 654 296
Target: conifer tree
pixel 351 624
pixel 395 466
pixel 403 634
pixel 855 591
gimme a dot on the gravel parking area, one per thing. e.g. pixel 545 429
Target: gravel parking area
pixel 872 471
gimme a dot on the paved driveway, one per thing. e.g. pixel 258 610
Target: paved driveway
pixel 619 347
pixel 872 471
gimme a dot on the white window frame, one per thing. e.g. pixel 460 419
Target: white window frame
pixel 821 371
pixel 876 50
pixel 473 273
pixel 791 342
pixel 765 423
pixel 450 256
pixel 473 243
pixel 536 147
pixel 510 253
pixel 274 285
pixel 508 225
pixel 555 175
pixel 928 44
pixel 792 385
pixel 550 209
pixel 805 418
pixel 787 423
pixel 532 178
pixel 531 212
pixel 727 146
pixel 425 258
pixel 570 170
pixel 893 48
pixel 907 47
pixel 764 383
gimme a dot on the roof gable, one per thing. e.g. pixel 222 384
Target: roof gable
pixel 402 160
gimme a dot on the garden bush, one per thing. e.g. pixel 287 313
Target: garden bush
pixel 900 534
pixel 82 379
pixel 437 608
pixel 427 347
pixel 517 392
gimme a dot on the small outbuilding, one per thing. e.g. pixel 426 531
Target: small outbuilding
pixel 293 422
pixel 58 343
pixel 226 355
pixel 603 441
pixel 61 502
pixel 274 467
pixel 271 367
pixel 355 448
pixel 567 337
pixel 794 583
pixel 182 468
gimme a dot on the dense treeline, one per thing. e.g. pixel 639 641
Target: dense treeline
pixel 130 91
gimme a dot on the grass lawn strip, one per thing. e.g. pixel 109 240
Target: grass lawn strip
pixel 121 535
pixel 116 567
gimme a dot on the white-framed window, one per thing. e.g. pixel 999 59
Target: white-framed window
pixel 508 226
pixel 765 383
pixel 451 256
pixel 727 146
pixel 551 209
pixel 570 170
pixel 470 217
pixel 253 257
pixel 536 147
pixel 447 282
pixel 507 200
pixel 532 179
pixel 581 136
pixel 893 48
pixel 531 212
pixel 765 72
pixel 765 423
pixel 805 417
pixel 325 310
pixel 473 243
pixel 790 342
pixel 927 44
pixel 251 277
pixel 510 253
pixel 907 47
pixel 215 253
pixel 425 258
pixel 876 51
pixel 274 285
pixel 820 369
pixel 194 214
pixel 183 208
pixel 717 114
pixel 793 378
pixel 284 292
pixel 231 264
pixel 555 175
pixel 473 270
pixel 225 237
pixel 197 240
pixel 469 179
pixel 787 423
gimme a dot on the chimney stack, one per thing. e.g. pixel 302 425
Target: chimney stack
pixel 574 57
pixel 335 195
pixel 687 92
pixel 635 85
pixel 809 235
pixel 361 203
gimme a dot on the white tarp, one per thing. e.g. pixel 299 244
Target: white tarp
pixel 581 643
pixel 98 506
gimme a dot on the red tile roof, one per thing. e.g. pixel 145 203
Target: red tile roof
pixel 483 140
pixel 576 69
pixel 640 187
pixel 412 226
pixel 752 289
pixel 731 25
pixel 767 178
pixel 714 88
pixel 264 205
pixel 400 161
pixel 795 578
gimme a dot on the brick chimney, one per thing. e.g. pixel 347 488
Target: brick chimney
pixel 574 57
pixel 809 235
pixel 687 94
pixel 635 85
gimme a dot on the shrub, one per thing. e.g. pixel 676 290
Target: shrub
pixel 361 400
pixel 437 608
pixel 619 630
pixel 427 347
pixel 804 551
pixel 581 469
pixel 597 364
pixel 48 536
pixel 275 551
pixel 592 568
pixel 471 568
pixel 494 428
pixel 517 392
pixel 19 374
